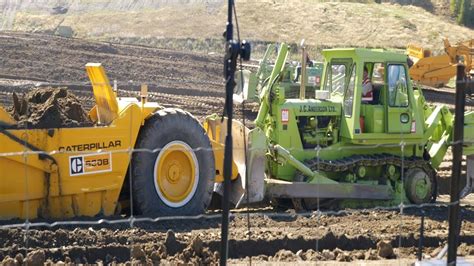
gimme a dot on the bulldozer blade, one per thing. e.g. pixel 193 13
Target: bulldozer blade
pixel 285 189
pixel 248 156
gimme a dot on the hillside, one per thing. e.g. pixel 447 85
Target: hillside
pixel 198 24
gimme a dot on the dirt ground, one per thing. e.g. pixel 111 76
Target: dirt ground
pixel 176 79
pixel 271 237
pixel 194 82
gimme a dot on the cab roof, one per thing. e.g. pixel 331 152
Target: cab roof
pixel 364 54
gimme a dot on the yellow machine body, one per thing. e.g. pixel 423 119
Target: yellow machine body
pixel 437 71
pixel 66 172
pixel 5 118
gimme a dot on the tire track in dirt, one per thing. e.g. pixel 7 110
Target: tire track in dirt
pixel 60 59
pixel 184 80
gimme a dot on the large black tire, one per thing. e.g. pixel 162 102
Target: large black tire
pixel 175 127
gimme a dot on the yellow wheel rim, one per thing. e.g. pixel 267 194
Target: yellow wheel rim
pixel 176 174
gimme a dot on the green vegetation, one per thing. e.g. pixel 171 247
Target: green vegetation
pixel 463 12
pixel 454 6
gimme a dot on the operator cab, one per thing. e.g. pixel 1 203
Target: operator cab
pixel 385 112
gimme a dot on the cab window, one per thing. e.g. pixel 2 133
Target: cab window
pixel 349 95
pixel 336 77
pixel 376 78
pixel 377 74
pixel 397 86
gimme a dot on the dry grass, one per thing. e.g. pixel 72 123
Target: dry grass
pixel 322 24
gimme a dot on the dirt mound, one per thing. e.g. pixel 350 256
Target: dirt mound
pixel 49 108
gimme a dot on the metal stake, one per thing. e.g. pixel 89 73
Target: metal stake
pixel 233 50
pixel 229 69
pixel 420 243
pixel 453 234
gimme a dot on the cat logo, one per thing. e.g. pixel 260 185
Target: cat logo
pixel 77 165
pixel 90 163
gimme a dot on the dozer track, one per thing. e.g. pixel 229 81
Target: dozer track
pixel 375 160
pixel 352 162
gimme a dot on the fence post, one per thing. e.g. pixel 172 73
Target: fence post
pixel 453 234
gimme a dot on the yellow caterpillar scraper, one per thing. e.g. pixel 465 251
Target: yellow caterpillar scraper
pixel 67 172
pixel 436 71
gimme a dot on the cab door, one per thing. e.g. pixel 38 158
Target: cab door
pixel 399 115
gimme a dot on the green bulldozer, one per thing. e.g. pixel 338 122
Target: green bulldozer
pixel 316 139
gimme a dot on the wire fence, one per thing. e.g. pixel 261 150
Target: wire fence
pixel 263 220
pixel 259 232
